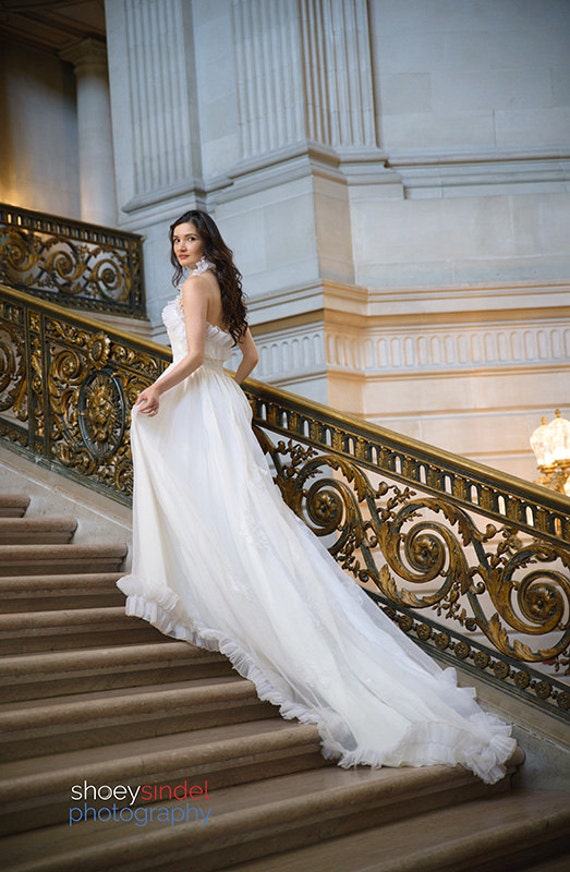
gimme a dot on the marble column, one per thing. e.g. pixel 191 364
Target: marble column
pixel 97 177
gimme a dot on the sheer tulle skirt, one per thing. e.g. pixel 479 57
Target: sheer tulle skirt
pixel 220 561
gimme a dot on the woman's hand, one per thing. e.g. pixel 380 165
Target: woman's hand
pixel 148 401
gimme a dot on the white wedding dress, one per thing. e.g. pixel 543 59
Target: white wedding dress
pixel 221 561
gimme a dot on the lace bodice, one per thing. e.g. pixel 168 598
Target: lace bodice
pixel 219 344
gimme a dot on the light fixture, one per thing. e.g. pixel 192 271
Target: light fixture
pixel 551 445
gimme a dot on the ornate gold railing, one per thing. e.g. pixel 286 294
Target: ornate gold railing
pixel 473 563
pixel 70 262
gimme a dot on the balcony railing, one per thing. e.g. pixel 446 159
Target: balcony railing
pixel 72 263
pixel 473 563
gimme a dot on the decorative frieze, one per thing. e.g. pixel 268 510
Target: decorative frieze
pixel 298 352
pixel 305 350
pixel 458 347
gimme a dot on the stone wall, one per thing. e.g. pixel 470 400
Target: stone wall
pixel 394 179
pixel 39 166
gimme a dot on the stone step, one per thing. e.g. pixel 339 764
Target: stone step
pixel 103 719
pixel 37 676
pixel 82 707
pixel 36 531
pixel 59 630
pixel 37 792
pixel 48 592
pixel 13 505
pixel 251 821
pixel 497 834
pixel 53 559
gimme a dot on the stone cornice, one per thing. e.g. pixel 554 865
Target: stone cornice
pixel 344 303
pixel 336 328
pixel 308 302
pixel 355 166
pixel 430 158
pixel 489 172
pixel 430 300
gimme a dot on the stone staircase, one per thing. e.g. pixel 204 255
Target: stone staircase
pixel 95 702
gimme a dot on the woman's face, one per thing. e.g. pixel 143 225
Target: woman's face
pixel 186 244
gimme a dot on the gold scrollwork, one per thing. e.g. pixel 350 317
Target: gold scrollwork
pixel 98 347
pixel 36 414
pixel 109 277
pixel 330 505
pixel 13 383
pixel 428 551
pixel 101 410
pixel 404 543
pixel 54 257
pixel 19 253
pixel 529 601
pixel 62 264
pixel 92 382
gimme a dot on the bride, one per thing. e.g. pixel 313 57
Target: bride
pixel 220 561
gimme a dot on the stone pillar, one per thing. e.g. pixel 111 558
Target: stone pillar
pixel 308 148
pixel 97 176
pixel 304 74
pixel 156 130
pixel 155 118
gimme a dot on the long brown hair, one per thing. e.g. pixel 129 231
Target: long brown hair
pixel 229 277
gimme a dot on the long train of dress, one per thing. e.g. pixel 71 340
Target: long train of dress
pixel 220 561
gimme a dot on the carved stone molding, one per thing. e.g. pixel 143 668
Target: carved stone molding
pixel 86 53
pixel 483 173
pixel 351 329
pixel 448 347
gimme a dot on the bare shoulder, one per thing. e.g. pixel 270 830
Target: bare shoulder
pixel 195 284
pixel 196 287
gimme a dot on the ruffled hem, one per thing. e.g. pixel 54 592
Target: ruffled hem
pixel 423 744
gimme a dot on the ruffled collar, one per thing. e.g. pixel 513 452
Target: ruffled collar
pixel 200 267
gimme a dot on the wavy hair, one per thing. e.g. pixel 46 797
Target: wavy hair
pixel 229 277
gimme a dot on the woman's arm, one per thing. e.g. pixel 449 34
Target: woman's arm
pixel 195 304
pixel 250 357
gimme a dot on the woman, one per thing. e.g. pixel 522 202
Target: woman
pixel 222 562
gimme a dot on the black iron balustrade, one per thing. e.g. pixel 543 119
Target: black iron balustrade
pixel 475 564
pixel 72 263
